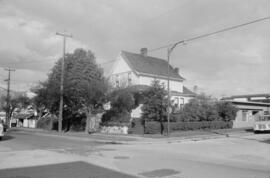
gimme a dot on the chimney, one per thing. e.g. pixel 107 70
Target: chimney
pixel 144 52
pixel 176 70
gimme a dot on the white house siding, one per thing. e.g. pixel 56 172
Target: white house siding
pixel 25 123
pixel 32 123
pixel 123 75
pixel 180 100
pixel 120 66
pixel 174 85
pixel 246 115
pixel 137 112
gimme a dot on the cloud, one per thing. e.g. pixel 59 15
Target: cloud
pixel 216 63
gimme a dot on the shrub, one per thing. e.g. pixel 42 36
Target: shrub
pixel 200 108
pixel 154 127
pixel 226 110
pixel 112 117
pixel 205 108
pixel 45 123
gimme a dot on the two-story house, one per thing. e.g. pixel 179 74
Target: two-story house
pixel 131 69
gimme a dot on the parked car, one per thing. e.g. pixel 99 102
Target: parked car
pixel 1 131
pixel 262 124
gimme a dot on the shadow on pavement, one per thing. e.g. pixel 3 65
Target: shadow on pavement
pixel 266 141
pixel 64 170
pixel 6 138
pixel 249 130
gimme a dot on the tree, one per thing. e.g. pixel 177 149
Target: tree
pixel 200 108
pixel 17 101
pixel 122 102
pixel 84 87
pixel 226 110
pixel 155 104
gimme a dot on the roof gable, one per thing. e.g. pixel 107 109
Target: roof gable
pixel 149 65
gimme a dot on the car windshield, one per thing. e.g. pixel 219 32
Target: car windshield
pixel 264 118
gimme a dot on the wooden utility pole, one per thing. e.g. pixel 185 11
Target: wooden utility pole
pixel 64 35
pixel 8 96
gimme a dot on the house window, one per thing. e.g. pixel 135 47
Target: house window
pixel 244 115
pixel 181 103
pixel 176 103
pixel 117 81
pixel 129 78
pixel 163 85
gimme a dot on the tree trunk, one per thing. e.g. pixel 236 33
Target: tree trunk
pixel 88 117
pixel 39 117
pixel 161 127
pixel 51 122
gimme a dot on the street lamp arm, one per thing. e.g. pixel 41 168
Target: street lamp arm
pixel 174 45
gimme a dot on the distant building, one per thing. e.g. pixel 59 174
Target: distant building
pixel 140 70
pixel 250 108
pixel 264 98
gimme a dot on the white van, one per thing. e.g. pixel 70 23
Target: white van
pixel 262 124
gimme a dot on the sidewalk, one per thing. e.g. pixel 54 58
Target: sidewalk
pixel 140 139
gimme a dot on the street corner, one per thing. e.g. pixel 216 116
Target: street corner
pixel 27 158
pixel 74 169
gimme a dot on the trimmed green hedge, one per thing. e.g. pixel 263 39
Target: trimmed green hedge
pixel 155 127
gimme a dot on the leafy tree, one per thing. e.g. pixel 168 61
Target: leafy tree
pixel 17 101
pixel 122 102
pixel 155 104
pixel 226 110
pixel 84 87
pixel 200 108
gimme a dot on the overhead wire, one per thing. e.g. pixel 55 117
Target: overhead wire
pixel 211 33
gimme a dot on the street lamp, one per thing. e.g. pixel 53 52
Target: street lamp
pixel 170 49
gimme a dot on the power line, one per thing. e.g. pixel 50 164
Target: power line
pixel 212 33
pixel 6 89
pixel 107 62
pixel 28 62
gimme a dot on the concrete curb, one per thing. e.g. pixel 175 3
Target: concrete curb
pixel 129 139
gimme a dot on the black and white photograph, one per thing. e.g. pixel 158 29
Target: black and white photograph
pixel 134 89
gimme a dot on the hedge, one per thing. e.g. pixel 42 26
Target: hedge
pixel 45 123
pixel 155 127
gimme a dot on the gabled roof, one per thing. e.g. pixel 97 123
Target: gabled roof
pixel 147 65
pixel 186 92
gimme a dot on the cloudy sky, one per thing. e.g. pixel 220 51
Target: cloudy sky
pixel 235 62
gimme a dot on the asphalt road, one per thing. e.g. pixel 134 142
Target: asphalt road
pixel 25 141
pixel 64 170
pixel 30 155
